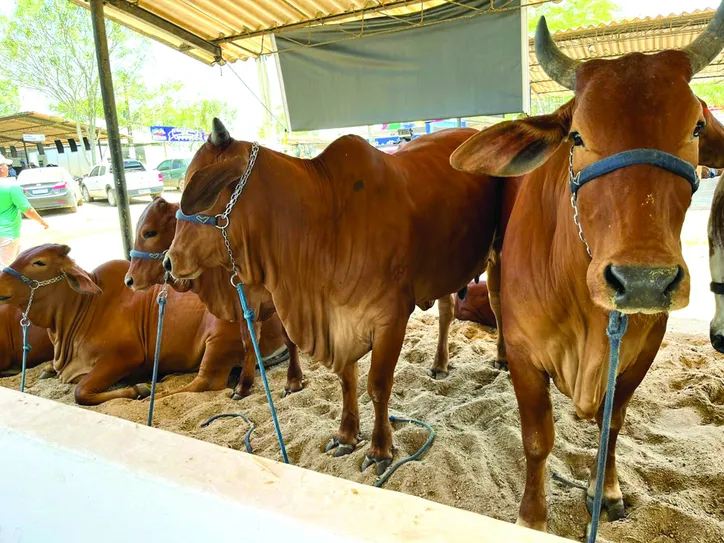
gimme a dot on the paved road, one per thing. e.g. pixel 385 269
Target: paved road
pixel 92 233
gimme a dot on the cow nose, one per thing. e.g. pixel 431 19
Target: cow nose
pixel 717 341
pixel 167 264
pixel 640 288
pixel 129 281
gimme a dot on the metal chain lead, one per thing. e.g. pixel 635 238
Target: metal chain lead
pixel 574 202
pixel 232 202
pixel 35 285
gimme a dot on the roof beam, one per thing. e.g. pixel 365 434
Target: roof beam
pixel 188 38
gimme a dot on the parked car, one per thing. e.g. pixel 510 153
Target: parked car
pixel 173 171
pixel 140 181
pixel 50 188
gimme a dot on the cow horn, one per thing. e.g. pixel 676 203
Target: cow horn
pixel 559 67
pixel 704 49
pixel 219 134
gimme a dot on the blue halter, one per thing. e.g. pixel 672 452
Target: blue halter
pixel 148 256
pixel 29 282
pixel 199 218
pixel 635 157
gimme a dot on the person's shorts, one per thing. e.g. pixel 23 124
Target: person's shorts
pixel 9 249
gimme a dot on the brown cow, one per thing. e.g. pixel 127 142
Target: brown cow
pixel 556 299
pixel 347 243
pixel 154 234
pixel 103 332
pixel 475 307
pixel 11 343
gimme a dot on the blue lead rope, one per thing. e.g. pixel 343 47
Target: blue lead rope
pixel 161 300
pixel 615 331
pixel 26 349
pixel 249 316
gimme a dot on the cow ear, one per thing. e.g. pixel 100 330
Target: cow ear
pixel 514 148
pixel 205 185
pixel 79 280
pixel 711 141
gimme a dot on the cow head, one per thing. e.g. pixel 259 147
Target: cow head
pixel 631 218
pixel 41 264
pixel 217 164
pixel 154 234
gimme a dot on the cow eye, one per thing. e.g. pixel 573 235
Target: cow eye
pixel 149 234
pixel 699 127
pixel 39 263
pixel 576 138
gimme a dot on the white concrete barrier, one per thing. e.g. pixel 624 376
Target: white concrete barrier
pixel 72 475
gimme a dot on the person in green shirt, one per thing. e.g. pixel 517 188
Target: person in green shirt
pixel 13 203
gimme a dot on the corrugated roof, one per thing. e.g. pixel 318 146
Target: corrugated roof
pixel 648 35
pixel 12 128
pixel 239 29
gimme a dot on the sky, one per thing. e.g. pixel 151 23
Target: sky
pixel 220 83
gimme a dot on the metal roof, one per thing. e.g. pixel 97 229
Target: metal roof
pixel 231 30
pixel 618 38
pixel 12 128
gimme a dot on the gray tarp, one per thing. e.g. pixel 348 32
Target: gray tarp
pixel 458 68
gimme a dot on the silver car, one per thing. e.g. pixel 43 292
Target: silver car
pixel 50 188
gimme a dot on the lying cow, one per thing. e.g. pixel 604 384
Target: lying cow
pixel 154 234
pixel 556 298
pixel 11 343
pixel 347 243
pixel 103 332
pixel 475 306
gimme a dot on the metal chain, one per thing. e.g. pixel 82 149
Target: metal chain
pixel 574 202
pixel 35 285
pixel 232 202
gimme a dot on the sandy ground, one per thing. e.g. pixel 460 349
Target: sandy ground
pixel 670 453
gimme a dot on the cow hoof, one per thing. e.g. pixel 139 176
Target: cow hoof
pixel 382 464
pixel 143 391
pixel 11 373
pixel 238 395
pixel 343 449
pixel 291 390
pixel 47 374
pixel 615 509
pixel 438 375
pixel 501 365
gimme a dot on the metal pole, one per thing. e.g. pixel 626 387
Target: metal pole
pixel 114 138
pixel 458 122
pixel 27 160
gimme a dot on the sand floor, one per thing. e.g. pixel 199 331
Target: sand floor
pixel 670 452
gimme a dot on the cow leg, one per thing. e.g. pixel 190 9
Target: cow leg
pixel 90 389
pixel 9 373
pixel 48 372
pixel 536 420
pixel 385 352
pixel 295 377
pixel 626 384
pixel 213 372
pixel 346 438
pixel 493 270
pixel 445 307
pixel 248 366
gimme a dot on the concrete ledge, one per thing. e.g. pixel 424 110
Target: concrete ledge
pixel 73 475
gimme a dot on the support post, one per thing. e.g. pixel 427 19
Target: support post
pixel 458 122
pixel 27 160
pixel 114 138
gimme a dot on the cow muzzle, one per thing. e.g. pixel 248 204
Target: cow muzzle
pixel 643 289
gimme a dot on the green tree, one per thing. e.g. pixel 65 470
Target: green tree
pixel 570 14
pixel 9 97
pixel 712 92
pixel 49 47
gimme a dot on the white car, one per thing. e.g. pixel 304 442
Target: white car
pixel 140 181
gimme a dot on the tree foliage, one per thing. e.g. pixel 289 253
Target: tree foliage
pixel 49 47
pixel 9 97
pixel 569 14
pixel 712 92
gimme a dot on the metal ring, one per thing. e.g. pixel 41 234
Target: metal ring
pixel 34 284
pixel 24 322
pixel 235 276
pixel 222 216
